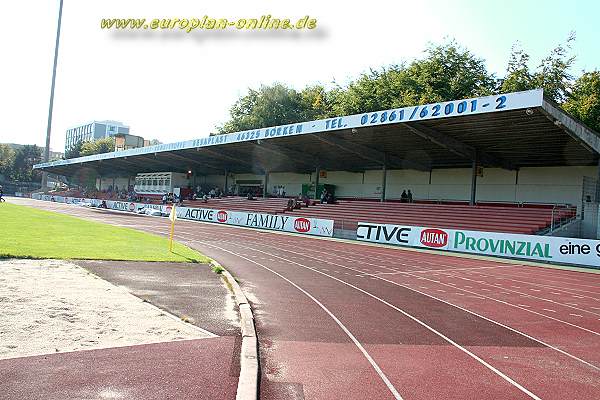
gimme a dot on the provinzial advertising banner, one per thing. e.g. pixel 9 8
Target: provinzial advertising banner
pixel 531 247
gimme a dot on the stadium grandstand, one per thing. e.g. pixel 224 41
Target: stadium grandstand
pixel 512 163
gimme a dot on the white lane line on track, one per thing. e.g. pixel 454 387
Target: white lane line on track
pixel 476 295
pixel 376 367
pixel 468 291
pixel 433 330
pixel 472 312
pixel 546 287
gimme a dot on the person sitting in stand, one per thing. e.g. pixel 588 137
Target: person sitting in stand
pixel 409 196
pixel 305 200
pixel 403 197
pixel 324 196
pixel 329 199
pixel 290 205
pixel 250 196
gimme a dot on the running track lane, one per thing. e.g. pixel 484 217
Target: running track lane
pixel 372 320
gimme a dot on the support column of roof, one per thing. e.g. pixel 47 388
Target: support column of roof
pixel 318 172
pixel 384 179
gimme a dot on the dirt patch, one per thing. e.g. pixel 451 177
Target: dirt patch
pixel 53 306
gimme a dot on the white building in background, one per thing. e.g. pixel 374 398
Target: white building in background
pixel 94 131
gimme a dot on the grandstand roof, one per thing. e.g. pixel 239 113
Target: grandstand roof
pixel 510 131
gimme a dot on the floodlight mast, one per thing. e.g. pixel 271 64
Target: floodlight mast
pixel 51 105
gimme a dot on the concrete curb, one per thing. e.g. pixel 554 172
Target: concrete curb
pixel 249 370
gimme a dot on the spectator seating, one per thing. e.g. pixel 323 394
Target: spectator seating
pixel 497 218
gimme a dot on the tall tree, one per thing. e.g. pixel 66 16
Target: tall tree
pixel 552 74
pixel 316 103
pixel 7 159
pixel 267 106
pixel 25 158
pixel 584 100
pixel 99 146
pixel 518 77
pixel 74 151
pixel 447 72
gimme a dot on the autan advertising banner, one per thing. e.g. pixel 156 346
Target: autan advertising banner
pixel 531 247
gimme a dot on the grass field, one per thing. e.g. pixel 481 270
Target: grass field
pixel 31 233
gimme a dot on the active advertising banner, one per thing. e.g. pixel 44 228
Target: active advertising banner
pixel 278 222
pixel 531 247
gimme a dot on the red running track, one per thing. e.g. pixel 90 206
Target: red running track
pixel 347 320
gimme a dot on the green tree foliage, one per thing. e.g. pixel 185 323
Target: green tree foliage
pixel 584 100
pixel 7 159
pixel 268 106
pixel 316 102
pixel 24 160
pixel 74 151
pixel 518 77
pixel 446 72
pixel 100 146
pixel 375 90
pixel 552 73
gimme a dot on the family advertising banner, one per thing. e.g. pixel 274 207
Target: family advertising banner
pixel 532 247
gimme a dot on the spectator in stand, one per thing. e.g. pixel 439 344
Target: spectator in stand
pixel 324 196
pixel 290 205
pixel 1 194
pixel 250 196
pixel 409 196
pixel 329 199
pixel 305 200
pixel 212 193
pixel 403 197
pixel 164 199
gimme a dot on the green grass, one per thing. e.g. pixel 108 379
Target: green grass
pixel 31 233
pixel 217 269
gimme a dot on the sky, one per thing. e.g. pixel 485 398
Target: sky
pixel 172 85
